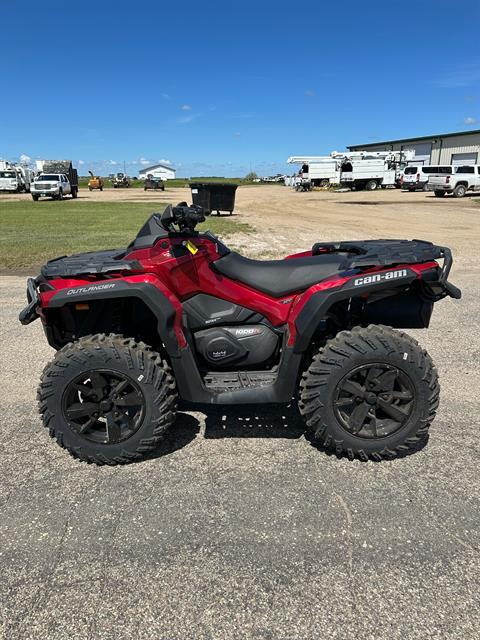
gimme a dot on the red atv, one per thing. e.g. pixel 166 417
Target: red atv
pixel 179 315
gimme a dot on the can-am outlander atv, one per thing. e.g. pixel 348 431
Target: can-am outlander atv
pixel 178 315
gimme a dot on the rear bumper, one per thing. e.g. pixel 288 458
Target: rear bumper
pixel 29 313
pixel 441 187
pixel 413 186
pixel 442 287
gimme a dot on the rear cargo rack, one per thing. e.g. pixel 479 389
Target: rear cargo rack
pixel 380 253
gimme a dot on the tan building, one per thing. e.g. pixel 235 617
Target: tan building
pixel 462 147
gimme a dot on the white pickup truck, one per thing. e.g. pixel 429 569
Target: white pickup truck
pixel 463 179
pixel 52 185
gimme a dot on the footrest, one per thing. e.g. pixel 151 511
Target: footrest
pixel 231 380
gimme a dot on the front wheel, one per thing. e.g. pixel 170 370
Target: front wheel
pixel 107 399
pixel 371 185
pixel 370 393
pixel 35 198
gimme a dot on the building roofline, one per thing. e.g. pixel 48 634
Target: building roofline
pixel 155 166
pixel 353 147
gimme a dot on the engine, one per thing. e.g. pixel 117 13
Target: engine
pixel 243 345
pixel 241 338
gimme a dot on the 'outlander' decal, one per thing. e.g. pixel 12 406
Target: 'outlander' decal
pixel 91 289
pixel 380 277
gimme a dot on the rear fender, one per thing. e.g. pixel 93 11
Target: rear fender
pixel 149 289
pixel 314 306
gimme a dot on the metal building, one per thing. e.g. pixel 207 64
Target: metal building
pixel 158 171
pixel 462 147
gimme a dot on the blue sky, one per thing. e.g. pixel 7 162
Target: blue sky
pixel 221 88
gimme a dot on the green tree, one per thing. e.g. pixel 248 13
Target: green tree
pixel 250 177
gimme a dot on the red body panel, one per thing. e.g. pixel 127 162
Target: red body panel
pixel 180 278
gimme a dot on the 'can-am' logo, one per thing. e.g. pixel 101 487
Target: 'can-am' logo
pixel 380 277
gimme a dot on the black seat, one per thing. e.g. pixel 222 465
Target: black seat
pixel 281 277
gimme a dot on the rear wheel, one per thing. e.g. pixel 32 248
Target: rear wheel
pixel 459 191
pixel 370 393
pixel 439 193
pixel 371 185
pixel 35 198
pixel 60 195
pixel 107 399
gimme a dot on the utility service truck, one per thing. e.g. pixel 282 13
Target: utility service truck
pixel 57 179
pixel 356 169
pixel 15 178
pixel 319 171
pixel 370 170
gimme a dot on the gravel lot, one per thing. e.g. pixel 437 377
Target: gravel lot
pixel 238 527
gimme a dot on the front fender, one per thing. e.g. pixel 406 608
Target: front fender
pixel 163 304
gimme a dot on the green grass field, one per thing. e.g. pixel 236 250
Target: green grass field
pixel 33 232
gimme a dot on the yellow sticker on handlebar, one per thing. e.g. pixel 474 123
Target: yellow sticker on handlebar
pixel 191 247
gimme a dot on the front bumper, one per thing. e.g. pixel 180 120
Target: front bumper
pixel 29 313
pixel 48 192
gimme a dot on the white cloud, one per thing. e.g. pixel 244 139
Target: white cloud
pixel 81 162
pixel 24 159
pixel 163 161
pixel 166 96
pixel 112 163
pixel 186 107
pixel 310 93
pixel 144 161
pixel 237 134
pixel 469 120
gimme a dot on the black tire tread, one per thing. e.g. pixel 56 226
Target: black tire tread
pixel 332 355
pixel 134 354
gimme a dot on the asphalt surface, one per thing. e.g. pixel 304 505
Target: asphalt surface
pixel 238 527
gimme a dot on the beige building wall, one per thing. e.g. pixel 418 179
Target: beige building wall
pixel 442 148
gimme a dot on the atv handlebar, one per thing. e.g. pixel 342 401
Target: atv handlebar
pixel 184 216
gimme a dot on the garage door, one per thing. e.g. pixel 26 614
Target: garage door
pixel 423 151
pixel 464 158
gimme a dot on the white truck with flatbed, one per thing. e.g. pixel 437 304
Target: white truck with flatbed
pixel 464 178
pixel 57 179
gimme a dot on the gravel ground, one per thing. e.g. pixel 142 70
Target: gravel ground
pixel 238 527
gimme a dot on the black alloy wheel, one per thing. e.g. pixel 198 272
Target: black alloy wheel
pixel 103 406
pixel 374 400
